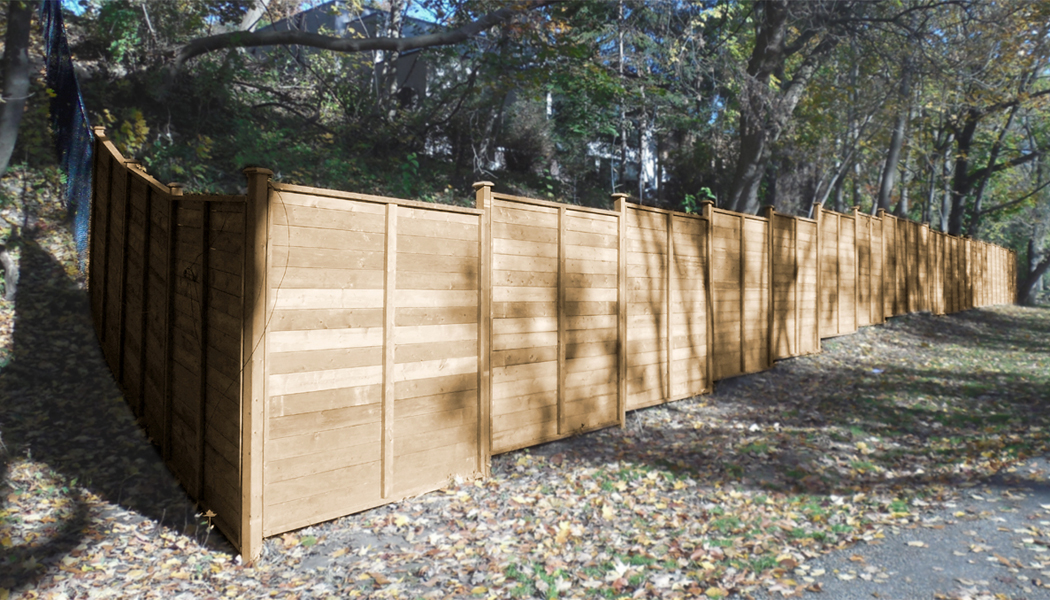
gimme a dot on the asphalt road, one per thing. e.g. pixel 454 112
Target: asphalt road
pixel 993 543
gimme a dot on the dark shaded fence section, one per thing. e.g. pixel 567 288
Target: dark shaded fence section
pixel 165 280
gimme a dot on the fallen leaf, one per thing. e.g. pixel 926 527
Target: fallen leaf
pixel 378 578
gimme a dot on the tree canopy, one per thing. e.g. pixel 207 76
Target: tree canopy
pixel 932 109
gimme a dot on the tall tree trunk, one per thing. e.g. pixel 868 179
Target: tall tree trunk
pixel 962 183
pixel 946 192
pixel 1038 265
pixel 993 158
pixel 889 169
pixel 902 204
pixel 388 78
pixel 622 169
pixel 764 113
pixel 16 77
pixel 840 194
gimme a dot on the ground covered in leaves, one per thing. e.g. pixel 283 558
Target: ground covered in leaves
pixel 734 493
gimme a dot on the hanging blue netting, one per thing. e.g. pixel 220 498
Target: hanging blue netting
pixel 69 122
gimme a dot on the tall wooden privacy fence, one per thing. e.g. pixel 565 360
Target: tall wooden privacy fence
pixel 299 354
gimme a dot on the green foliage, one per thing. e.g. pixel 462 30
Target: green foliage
pixel 692 202
pixel 119 23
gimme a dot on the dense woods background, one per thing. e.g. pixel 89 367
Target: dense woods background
pixel 931 109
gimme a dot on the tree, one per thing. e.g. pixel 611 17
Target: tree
pixel 778 72
pixel 12 105
pixel 16 77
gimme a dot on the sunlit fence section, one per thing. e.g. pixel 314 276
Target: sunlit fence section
pixel 299 354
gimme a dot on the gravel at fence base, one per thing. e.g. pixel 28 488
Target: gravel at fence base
pixel 769 473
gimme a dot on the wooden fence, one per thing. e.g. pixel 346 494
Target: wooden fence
pixel 300 354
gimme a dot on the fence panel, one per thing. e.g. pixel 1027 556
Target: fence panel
pixel 588 321
pixel 829 281
pixel 862 229
pixel 648 294
pixel 786 287
pixel 727 293
pixel 847 275
pixel 689 373
pixel 524 362
pixel 435 314
pixel 220 438
pixel 756 304
pixel 158 308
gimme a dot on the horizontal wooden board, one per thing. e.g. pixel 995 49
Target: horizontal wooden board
pixel 323 400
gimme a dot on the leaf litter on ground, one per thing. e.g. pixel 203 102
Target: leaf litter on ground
pixel 714 496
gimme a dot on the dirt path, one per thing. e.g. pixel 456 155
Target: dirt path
pixel 855 451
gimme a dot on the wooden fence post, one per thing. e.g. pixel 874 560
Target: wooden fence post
pixel 797 338
pixel 388 394
pixel 856 266
pixel 175 189
pixel 770 211
pixel 620 203
pixel 483 201
pixel 743 288
pixel 95 262
pixel 253 359
pixel 818 214
pixel 707 209
pixel 562 319
pixel 669 309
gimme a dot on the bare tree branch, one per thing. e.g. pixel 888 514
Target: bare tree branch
pixel 243 39
pixel 1015 201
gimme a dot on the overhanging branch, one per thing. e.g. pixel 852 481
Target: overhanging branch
pixel 244 39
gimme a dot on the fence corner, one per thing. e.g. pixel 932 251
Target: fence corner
pixel 253 352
